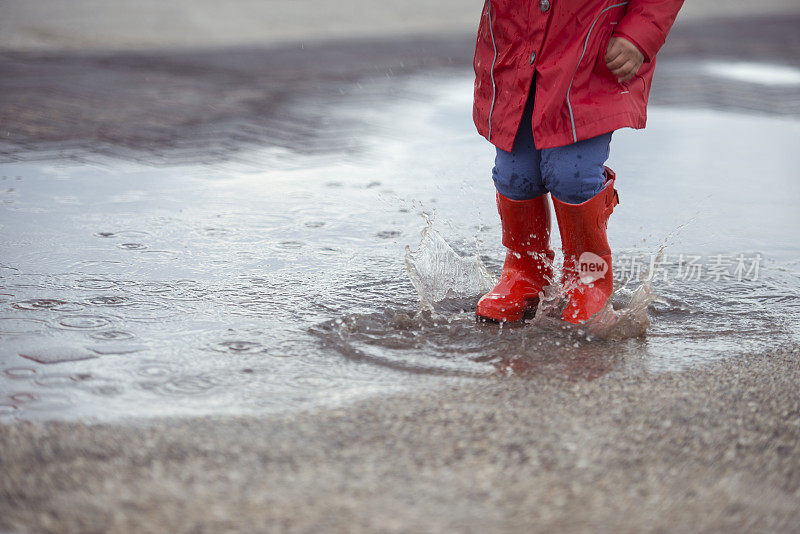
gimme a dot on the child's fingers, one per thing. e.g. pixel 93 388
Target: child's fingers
pixel 627 77
pixel 617 62
pixel 625 71
pixel 621 60
pixel 621 67
pixel 613 52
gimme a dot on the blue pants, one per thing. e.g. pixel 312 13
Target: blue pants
pixel 572 173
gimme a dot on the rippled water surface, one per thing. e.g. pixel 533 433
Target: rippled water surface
pixel 230 288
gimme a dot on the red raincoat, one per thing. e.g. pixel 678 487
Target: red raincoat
pixel 564 43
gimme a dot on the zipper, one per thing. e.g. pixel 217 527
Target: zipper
pixel 585 44
pixel 494 62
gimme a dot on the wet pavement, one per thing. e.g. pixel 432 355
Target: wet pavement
pixel 212 105
pixel 261 234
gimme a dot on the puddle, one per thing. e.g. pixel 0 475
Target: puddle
pixel 316 278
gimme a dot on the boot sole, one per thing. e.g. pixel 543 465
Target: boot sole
pixel 502 317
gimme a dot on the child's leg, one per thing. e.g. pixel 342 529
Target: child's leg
pixel 575 173
pixel 517 174
pixel 583 199
pixel 524 210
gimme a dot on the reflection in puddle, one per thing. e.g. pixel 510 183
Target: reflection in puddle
pixel 757 73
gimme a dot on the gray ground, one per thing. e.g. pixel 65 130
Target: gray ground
pixel 153 24
pixel 709 449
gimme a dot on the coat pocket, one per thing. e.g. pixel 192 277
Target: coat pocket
pixel 600 67
pixel 610 18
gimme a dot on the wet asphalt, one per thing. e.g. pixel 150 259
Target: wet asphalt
pixel 709 448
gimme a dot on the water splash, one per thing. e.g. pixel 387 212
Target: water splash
pixel 438 272
pixel 624 321
pixel 624 315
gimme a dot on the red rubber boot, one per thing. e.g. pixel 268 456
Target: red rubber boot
pixel 529 261
pixel 587 277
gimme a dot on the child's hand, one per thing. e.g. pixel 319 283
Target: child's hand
pixel 623 58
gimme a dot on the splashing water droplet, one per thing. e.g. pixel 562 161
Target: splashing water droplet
pixel 108 300
pixel 83 321
pixel 38 304
pixel 132 246
pixel 438 272
pixel 238 346
pixel 94 283
pixel 112 335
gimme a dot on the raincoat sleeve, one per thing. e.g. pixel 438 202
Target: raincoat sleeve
pixel 647 23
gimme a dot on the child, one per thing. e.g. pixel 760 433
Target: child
pixel 553 80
